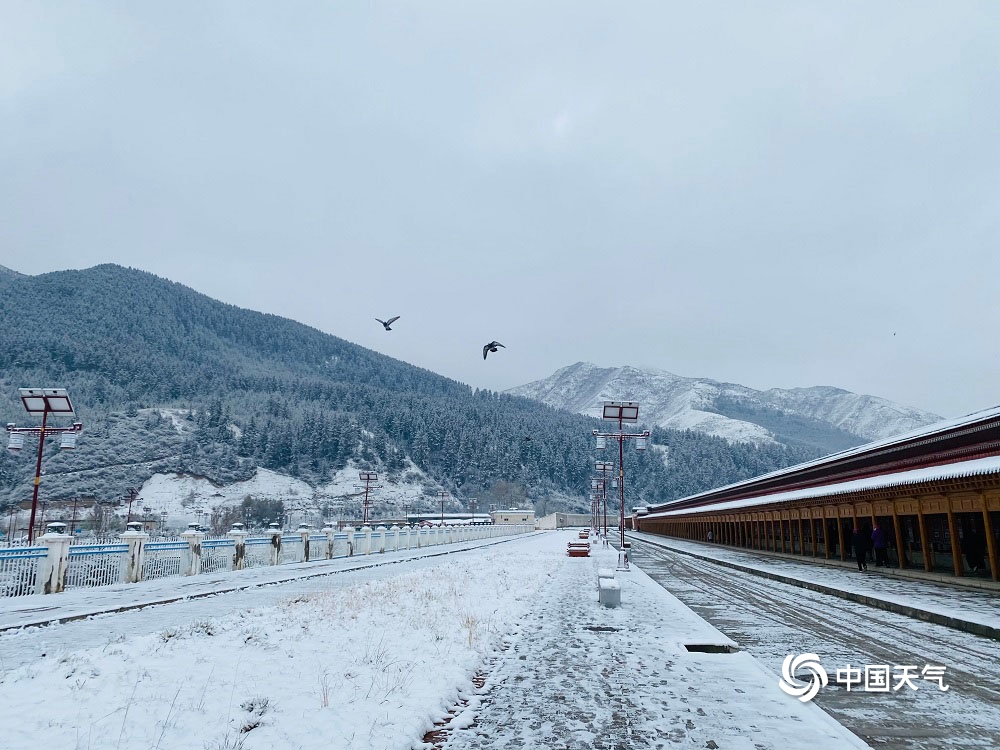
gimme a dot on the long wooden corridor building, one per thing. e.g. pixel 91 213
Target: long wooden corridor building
pixel 935 492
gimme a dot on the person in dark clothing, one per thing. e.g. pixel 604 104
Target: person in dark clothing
pixel 974 550
pixel 880 545
pixel 860 543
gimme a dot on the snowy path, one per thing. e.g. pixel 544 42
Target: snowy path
pixel 39 609
pixel 771 619
pixel 974 605
pixel 582 676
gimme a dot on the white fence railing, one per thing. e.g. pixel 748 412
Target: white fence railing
pixel 54 564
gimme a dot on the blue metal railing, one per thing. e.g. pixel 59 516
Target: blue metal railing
pixel 216 543
pixel 79 550
pixel 163 546
pixel 23 553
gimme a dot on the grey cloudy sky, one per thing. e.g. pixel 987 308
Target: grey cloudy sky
pixel 758 192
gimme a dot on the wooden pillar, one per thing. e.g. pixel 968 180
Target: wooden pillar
pixel 802 539
pixel 898 530
pixel 840 535
pixel 812 533
pixel 956 548
pixel 826 538
pixel 925 547
pixel 991 546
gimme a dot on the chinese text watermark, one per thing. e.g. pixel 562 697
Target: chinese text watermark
pixel 870 678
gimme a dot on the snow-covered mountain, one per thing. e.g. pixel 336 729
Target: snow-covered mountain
pixel 821 417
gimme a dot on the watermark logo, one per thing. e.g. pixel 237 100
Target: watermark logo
pixel 804 691
pixel 870 678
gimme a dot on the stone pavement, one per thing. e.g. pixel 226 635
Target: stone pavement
pixel 577 675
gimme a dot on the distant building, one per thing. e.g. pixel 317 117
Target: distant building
pixel 513 516
pixel 563 520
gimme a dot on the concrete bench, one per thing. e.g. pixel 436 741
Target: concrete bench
pixel 609 592
pixel 605 573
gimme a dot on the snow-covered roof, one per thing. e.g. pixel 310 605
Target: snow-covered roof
pixel 921 432
pixel 958 470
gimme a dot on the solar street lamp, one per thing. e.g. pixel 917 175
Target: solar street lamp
pixel 622 412
pixel 43 402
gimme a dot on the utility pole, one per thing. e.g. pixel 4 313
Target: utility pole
pixel 444 496
pixel 369 478
pixel 131 494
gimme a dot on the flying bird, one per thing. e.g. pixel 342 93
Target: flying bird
pixel 387 323
pixel 491 347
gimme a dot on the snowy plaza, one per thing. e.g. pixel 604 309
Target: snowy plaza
pixel 499 644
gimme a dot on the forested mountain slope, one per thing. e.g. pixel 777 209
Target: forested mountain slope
pixel 258 390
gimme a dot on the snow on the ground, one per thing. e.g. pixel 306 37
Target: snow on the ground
pixel 177 417
pixel 25 611
pixel 182 496
pixel 583 676
pixel 968 604
pixel 771 620
pixel 372 665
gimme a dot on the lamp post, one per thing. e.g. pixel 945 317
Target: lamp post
pixel 597 487
pixel 443 495
pixel 43 401
pixel 604 467
pixel 369 478
pixel 621 412
pixel 473 501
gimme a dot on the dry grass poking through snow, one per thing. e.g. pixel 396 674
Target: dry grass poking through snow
pixel 366 666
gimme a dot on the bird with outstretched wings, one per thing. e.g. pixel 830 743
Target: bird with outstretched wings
pixel 387 323
pixel 491 347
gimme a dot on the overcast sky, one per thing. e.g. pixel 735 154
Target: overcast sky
pixel 768 193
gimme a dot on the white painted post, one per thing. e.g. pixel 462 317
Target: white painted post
pixel 367 541
pixel 329 531
pixel 349 530
pixel 136 541
pixel 193 537
pixel 275 531
pixel 379 540
pixel 304 533
pixel 239 537
pixel 395 538
pixel 52 568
